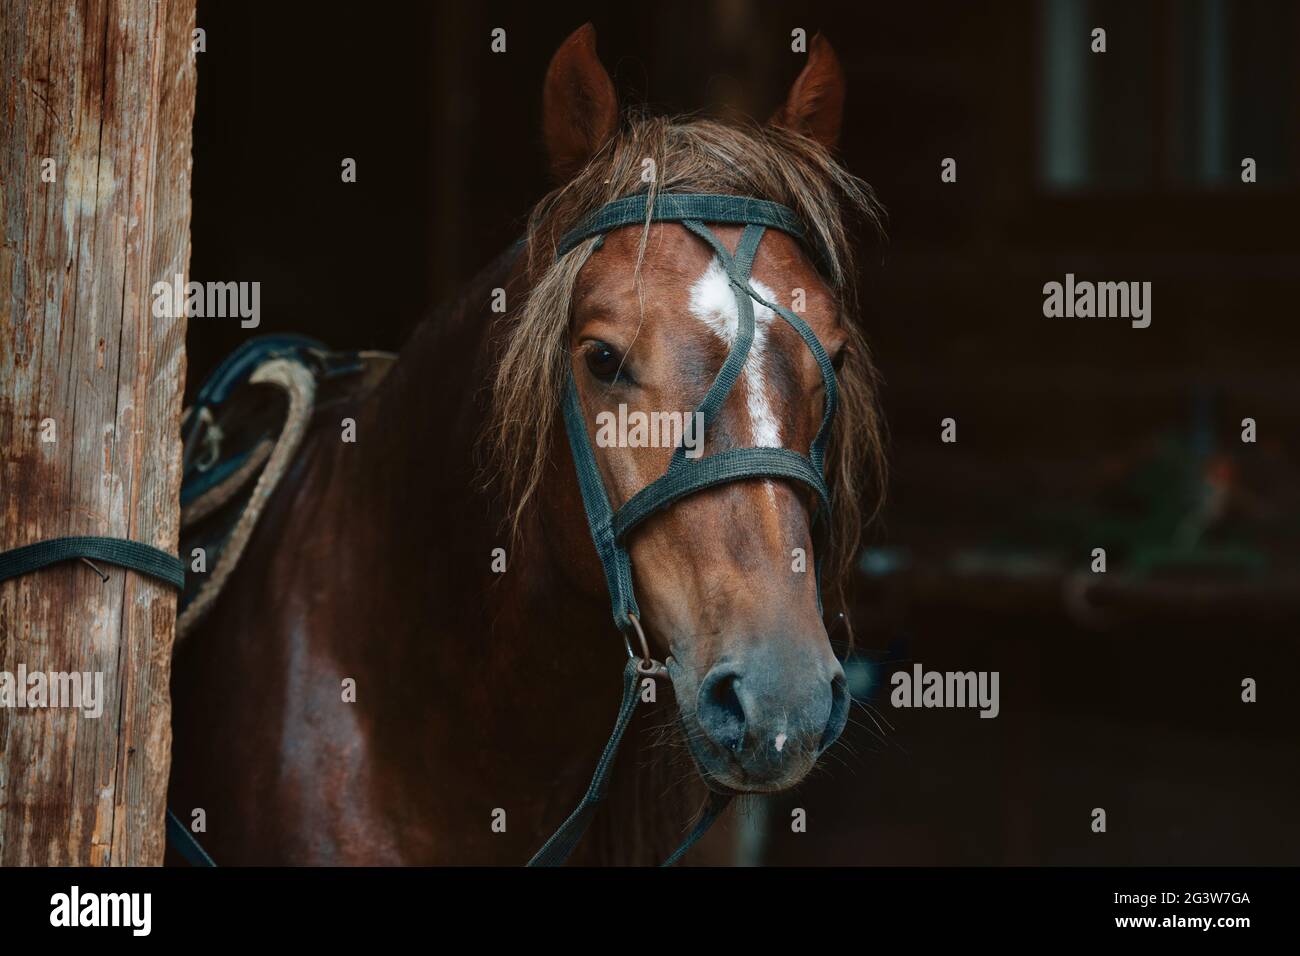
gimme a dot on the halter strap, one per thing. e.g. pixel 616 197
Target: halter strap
pixel 609 527
pixel 563 841
pixel 680 207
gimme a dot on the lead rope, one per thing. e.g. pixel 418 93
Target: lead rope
pixel 557 849
pixel 185 843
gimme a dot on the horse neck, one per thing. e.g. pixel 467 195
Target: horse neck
pixel 433 525
pixel 545 647
pixel 421 475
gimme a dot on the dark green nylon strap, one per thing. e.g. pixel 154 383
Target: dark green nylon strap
pixel 677 207
pixel 737 269
pixel 712 810
pixel 185 842
pixel 734 464
pixel 684 477
pixel 817 452
pixel 562 842
pixel 133 555
pixel 614 559
pixel 557 849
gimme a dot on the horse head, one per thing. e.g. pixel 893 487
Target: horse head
pixel 638 322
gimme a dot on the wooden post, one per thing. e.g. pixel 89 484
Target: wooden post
pixel 96 107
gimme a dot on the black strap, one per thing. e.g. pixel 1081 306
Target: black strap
pixel 127 554
pixel 678 207
pixel 180 837
pixel 712 810
pixel 557 849
pixel 609 527
pixel 734 464
pixel 134 556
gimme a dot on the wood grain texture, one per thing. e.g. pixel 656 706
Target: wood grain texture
pixel 104 88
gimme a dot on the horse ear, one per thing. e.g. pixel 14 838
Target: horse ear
pixel 815 106
pixel 579 105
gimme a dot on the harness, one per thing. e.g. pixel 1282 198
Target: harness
pixel 610 528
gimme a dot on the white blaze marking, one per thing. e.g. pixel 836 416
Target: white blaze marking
pixel 780 738
pixel 713 302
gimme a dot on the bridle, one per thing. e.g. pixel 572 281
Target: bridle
pixel 610 528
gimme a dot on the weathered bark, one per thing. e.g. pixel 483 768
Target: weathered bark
pixel 105 89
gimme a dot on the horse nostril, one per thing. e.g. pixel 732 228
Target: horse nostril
pixel 839 715
pixel 721 714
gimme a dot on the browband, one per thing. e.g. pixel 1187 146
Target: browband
pixel 701 207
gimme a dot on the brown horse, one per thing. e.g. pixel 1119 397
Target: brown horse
pixel 483 698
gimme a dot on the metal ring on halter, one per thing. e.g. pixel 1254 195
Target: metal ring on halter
pixel 645 646
pixel 645 664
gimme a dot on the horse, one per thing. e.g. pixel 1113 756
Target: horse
pixel 440 564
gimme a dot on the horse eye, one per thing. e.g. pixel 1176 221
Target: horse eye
pixel 603 361
pixel 837 360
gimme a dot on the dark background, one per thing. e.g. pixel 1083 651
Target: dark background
pixel 1072 433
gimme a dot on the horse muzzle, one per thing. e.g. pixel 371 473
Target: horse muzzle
pixel 758 721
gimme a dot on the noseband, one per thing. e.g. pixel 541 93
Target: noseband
pixel 684 477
